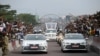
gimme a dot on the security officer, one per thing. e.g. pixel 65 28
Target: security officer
pixel 4 39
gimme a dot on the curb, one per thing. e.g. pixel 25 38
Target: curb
pixel 95 49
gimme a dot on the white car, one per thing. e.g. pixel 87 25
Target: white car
pixel 51 34
pixel 74 41
pixel 34 43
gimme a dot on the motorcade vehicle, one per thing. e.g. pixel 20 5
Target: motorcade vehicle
pixel 51 34
pixel 38 31
pixel 34 43
pixel 74 41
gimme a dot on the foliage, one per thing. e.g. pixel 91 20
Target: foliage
pixel 27 18
pixel 9 15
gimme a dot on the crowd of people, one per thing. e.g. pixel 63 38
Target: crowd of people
pixel 10 32
pixel 86 25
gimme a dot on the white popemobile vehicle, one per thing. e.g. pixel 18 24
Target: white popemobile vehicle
pixel 74 41
pixel 51 34
pixel 34 43
pixel 51 30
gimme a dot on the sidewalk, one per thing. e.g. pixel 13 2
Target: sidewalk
pixel 10 47
pixel 95 44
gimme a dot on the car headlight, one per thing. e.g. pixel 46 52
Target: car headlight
pixel 83 43
pixel 43 44
pixel 24 44
pixel 66 43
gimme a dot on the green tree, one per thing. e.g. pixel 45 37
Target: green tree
pixel 9 15
pixel 27 18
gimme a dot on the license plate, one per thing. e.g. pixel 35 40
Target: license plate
pixel 75 45
pixel 33 47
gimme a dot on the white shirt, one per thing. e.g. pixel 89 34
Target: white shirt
pixel 2 26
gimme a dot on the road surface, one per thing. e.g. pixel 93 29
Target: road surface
pixel 53 50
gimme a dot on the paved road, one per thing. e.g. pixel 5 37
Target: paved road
pixel 54 50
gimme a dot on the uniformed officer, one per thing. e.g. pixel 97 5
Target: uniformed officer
pixel 5 46
pixel 4 38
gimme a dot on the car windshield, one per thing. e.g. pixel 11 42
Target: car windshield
pixel 74 37
pixel 51 31
pixel 34 37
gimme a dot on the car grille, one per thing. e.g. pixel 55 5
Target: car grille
pixel 78 44
pixel 75 43
pixel 29 47
pixel 33 44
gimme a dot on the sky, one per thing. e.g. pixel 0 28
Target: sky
pixel 58 7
